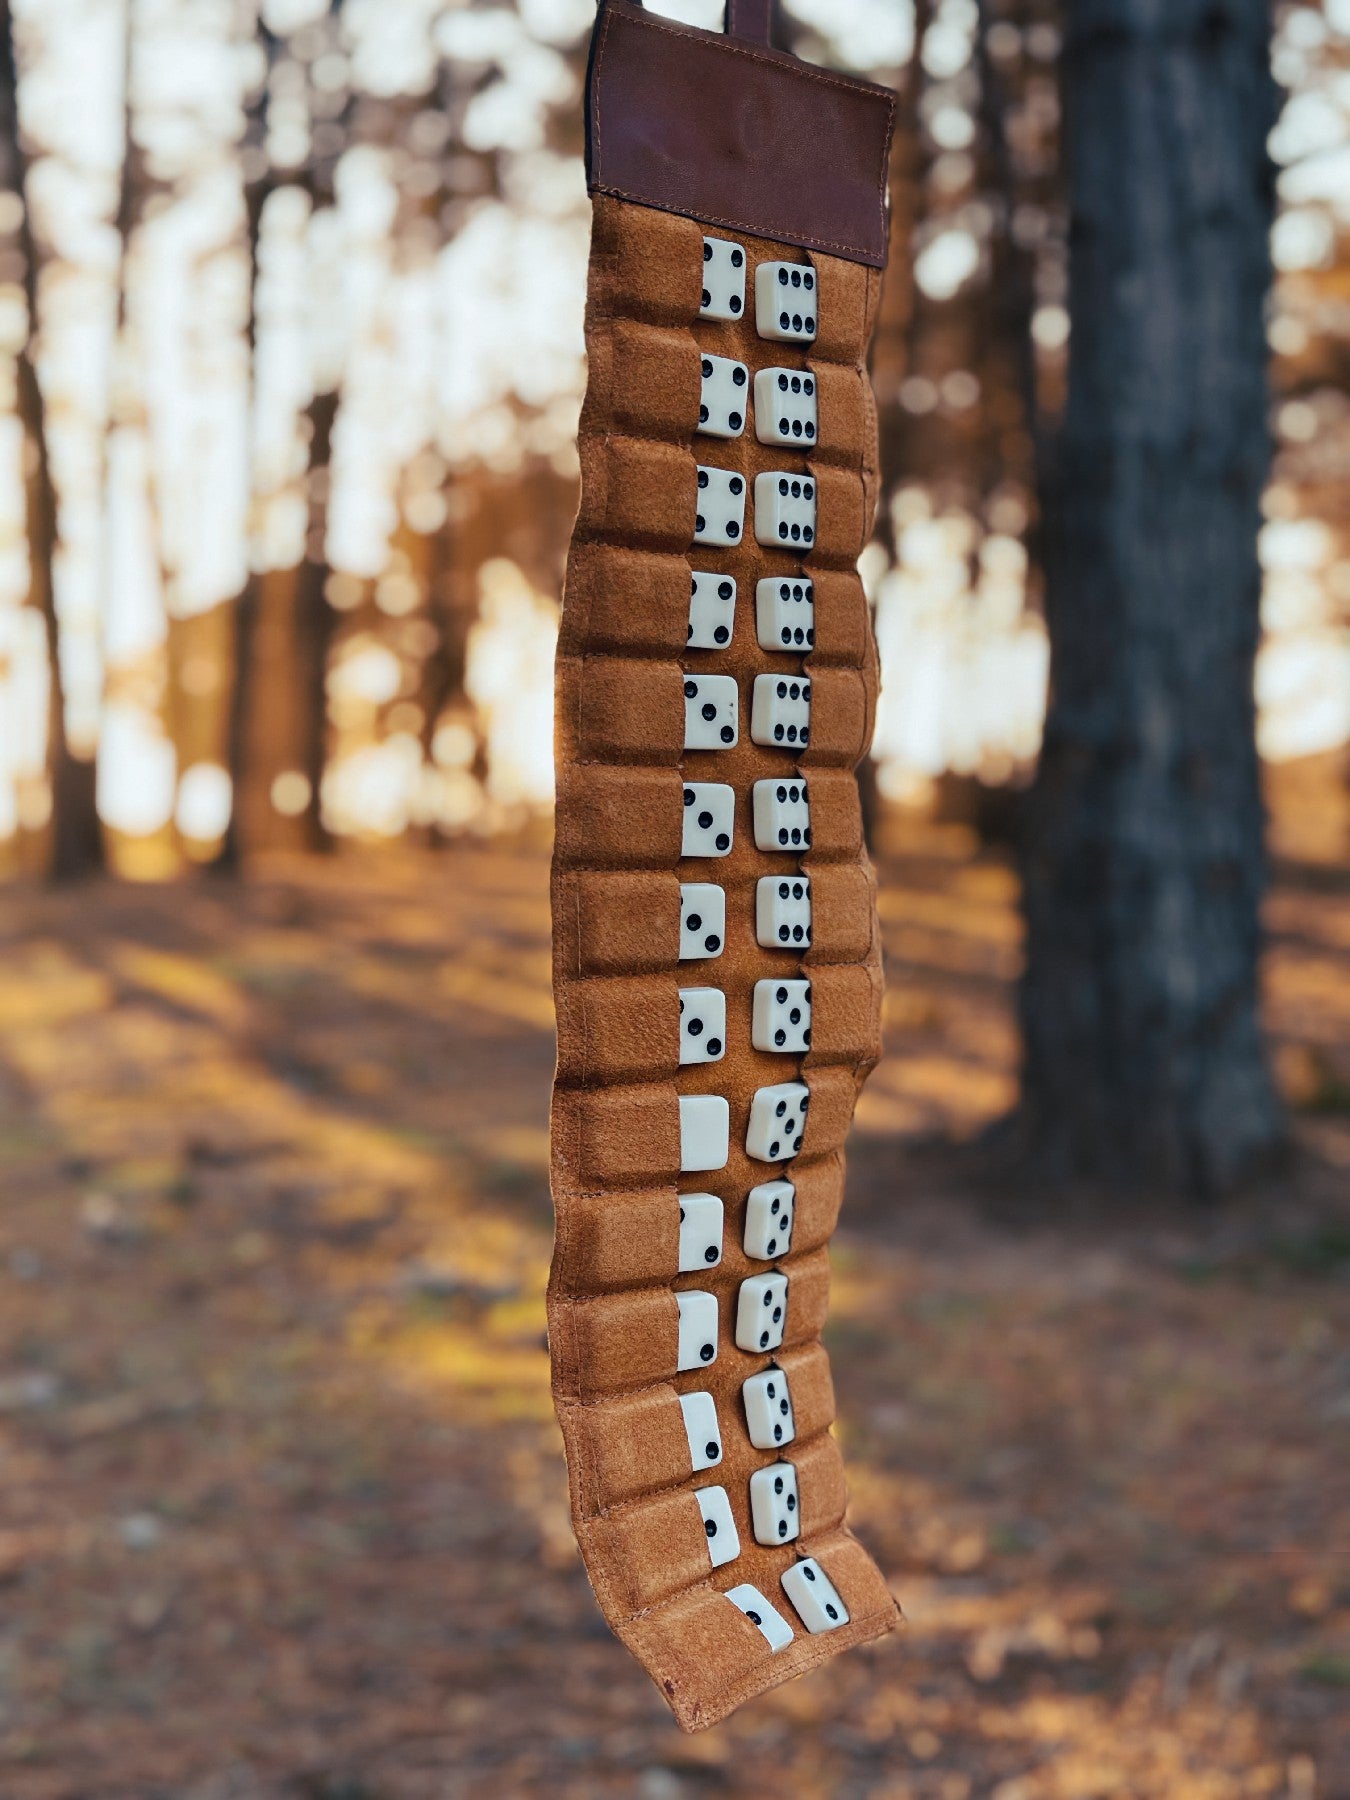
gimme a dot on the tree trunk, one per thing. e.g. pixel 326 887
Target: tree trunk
pixel 76 835
pixel 316 620
pixel 257 185
pixel 1142 854
pixel 281 724
pixel 283 620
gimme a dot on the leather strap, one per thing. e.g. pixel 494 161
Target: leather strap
pixel 750 19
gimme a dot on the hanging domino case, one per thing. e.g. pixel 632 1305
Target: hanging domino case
pixel 716 954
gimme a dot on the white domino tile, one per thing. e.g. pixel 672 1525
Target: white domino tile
pixel 761 1311
pixel 785 302
pixel 769 1211
pixel 720 507
pixel 785 613
pixel 780 711
pixel 782 912
pixel 785 509
pixel 703 920
pixel 705 1133
pixel 723 280
pixel 768 1410
pixel 711 712
pixel 775 1517
pixel 712 610
pixel 724 1544
pixel 782 814
pixel 724 395
pixel 814 1595
pixel 785 408
pixel 703 1025
pixel 700 1232
pixel 777 1121
pixel 696 1343
pixel 709 815
pixel 702 1430
pixel 773 1627
pixel 781 1016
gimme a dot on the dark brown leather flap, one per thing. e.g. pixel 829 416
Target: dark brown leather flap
pixel 737 135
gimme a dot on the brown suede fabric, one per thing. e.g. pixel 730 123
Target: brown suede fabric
pixel 617 869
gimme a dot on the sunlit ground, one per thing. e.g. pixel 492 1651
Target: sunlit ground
pixel 283 1510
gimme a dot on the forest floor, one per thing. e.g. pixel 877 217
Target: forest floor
pixel 282 1506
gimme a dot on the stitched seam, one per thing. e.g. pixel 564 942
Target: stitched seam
pixel 794 1262
pixel 804 1654
pixel 599 59
pixel 776 235
pixel 619 1512
pixel 607 1189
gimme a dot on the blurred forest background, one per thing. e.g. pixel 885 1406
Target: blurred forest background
pixel 290 367
pixel 289 453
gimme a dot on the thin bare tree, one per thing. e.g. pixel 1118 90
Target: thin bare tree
pixel 284 621
pixel 76 836
pixel 243 639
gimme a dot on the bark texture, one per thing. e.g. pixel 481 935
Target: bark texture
pixel 1142 853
